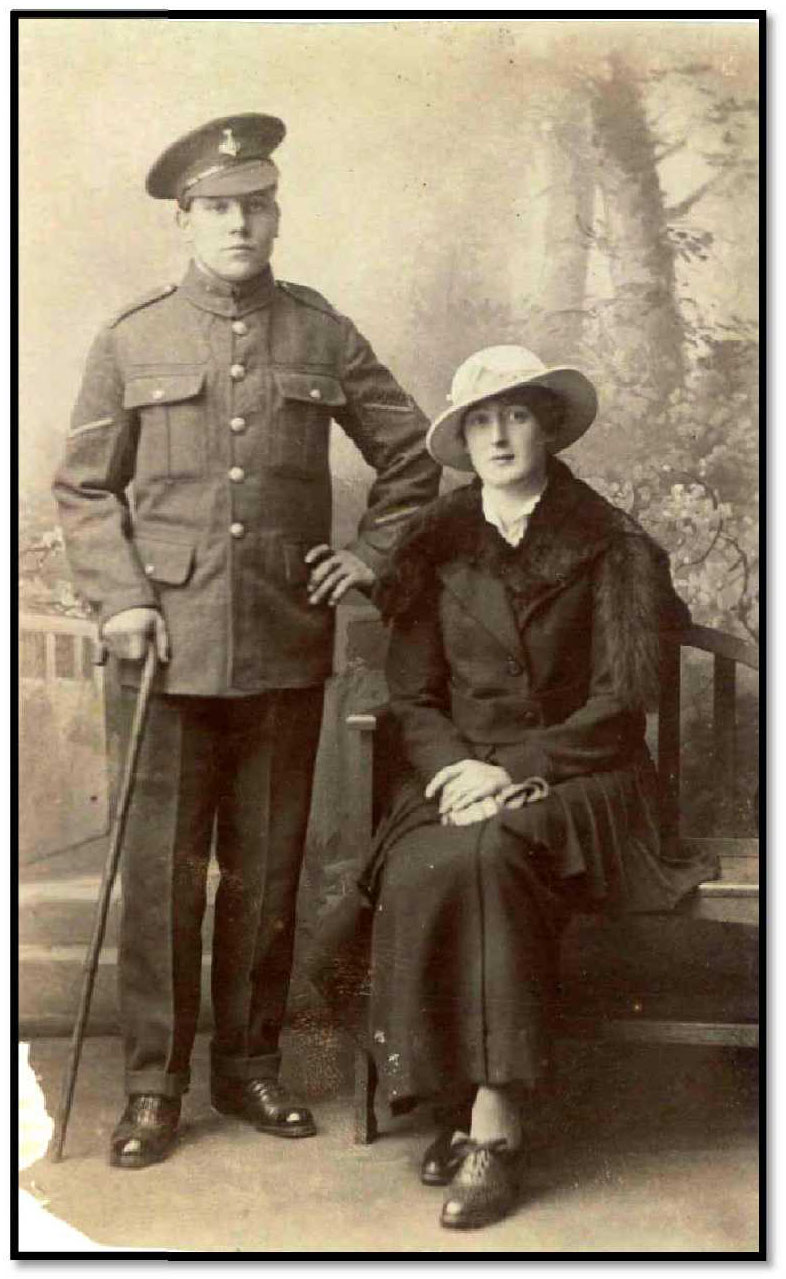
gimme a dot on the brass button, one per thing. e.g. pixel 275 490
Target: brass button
pixel 237 530
pixel 150 569
pixel 315 393
pixel 158 394
pixel 513 666
pixel 237 372
pixel 237 424
pixel 240 328
pixel 237 474
pixel 530 717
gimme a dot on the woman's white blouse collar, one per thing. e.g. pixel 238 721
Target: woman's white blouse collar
pixel 512 530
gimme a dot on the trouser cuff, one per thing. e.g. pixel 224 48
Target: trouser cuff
pixel 244 1068
pixel 158 1082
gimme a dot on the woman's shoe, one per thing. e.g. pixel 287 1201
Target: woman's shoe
pixel 443 1157
pixel 146 1131
pixel 484 1187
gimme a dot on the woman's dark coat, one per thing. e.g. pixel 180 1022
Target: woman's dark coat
pixel 542 659
pixel 557 684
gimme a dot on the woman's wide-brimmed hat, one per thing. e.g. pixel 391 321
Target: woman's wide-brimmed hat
pixel 497 370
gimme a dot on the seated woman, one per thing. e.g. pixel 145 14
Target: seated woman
pixel 525 613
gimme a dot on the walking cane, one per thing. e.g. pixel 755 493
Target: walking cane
pixel 102 909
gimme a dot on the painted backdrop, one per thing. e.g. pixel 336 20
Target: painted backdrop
pixel 587 188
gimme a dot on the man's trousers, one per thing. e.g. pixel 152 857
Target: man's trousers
pixel 241 768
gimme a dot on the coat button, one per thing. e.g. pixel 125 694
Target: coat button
pixel 315 393
pixel 239 327
pixel 513 667
pixel 158 394
pixel 237 372
pixel 237 424
pixel 237 474
pixel 237 530
pixel 150 569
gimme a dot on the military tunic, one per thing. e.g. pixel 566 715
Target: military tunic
pixel 211 404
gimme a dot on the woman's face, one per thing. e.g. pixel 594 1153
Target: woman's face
pixel 505 442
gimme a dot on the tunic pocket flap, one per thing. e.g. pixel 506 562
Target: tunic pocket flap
pixel 311 388
pixel 163 388
pixel 168 562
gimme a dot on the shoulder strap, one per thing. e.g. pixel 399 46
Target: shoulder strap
pixel 308 297
pixel 163 291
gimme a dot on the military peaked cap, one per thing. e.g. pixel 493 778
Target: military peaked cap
pixel 228 156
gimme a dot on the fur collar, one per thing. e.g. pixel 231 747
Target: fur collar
pixel 571 529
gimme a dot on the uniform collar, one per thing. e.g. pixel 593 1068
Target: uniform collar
pixel 231 300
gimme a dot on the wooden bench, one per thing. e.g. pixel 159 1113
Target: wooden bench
pixel 732 897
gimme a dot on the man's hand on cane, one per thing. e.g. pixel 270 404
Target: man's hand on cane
pixel 128 634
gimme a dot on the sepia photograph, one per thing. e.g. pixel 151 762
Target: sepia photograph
pixel 389 787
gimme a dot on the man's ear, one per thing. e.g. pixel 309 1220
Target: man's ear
pixel 183 220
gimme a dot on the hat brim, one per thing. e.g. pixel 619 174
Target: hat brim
pixel 240 179
pixel 445 440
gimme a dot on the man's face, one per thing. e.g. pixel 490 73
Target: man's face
pixel 505 442
pixel 232 235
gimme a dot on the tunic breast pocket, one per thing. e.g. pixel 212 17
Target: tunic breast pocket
pixel 300 429
pixel 173 423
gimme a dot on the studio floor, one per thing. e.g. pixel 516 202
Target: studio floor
pixel 650 1150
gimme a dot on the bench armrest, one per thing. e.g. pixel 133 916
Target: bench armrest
pixel 359 814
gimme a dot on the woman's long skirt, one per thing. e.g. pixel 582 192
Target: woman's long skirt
pixel 462 935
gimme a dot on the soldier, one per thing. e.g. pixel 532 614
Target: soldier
pixel 195 502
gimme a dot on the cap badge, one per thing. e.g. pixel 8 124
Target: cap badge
pixel 228 146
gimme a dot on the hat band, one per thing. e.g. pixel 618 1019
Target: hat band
pixel 252 172
pixel 489 382
pixel 205 173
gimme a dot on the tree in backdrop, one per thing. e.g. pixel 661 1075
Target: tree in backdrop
pixel 682 379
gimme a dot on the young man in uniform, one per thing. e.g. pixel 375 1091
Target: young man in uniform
pixel 195 501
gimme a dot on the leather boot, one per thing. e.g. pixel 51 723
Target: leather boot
pixel 146 1131
pixel 265 1103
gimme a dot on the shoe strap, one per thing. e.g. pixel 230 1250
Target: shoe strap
pixel 271 1089
pixel 495 1145
pixel 274 1093
pixel 151 1103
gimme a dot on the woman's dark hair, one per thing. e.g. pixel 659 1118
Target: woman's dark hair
pixel 545 405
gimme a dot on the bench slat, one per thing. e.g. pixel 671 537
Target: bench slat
pixel 732 1034
pixel 720 642
pixel 725 910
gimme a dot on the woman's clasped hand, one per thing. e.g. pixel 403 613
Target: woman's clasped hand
pixel 468 791
pixel 472 791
